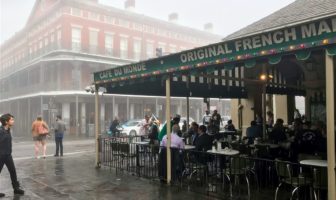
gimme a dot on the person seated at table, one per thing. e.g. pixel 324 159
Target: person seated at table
pixel 320 128
pixel 203 141
pixel 229 126
pixel 177 165
pixel 278 132
pixel 176 141
pixel 253 132
pixel 306 141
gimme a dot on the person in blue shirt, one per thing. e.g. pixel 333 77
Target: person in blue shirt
pixel 253 132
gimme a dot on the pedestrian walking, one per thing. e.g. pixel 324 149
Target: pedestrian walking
pixel 7 121
pixel 59 134
pixel 40 131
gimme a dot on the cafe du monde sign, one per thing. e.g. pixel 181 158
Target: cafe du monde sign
pixel 309 32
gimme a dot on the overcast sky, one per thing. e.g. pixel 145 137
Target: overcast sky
pixel 227 16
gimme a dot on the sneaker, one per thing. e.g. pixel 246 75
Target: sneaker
pixel 55 155
pixel 2 195
pixel 18 191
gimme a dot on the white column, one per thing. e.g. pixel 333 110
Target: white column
pixel 114 114
pixel 132 111
pixel 83 119
pixel 102 116
pixel 66 114
pixel 77 116
pixel 116 110
pixel 280 107
pixel 330 126
pixel 127 108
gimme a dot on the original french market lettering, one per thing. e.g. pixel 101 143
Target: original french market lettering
pixel 263 40
pixel 207 52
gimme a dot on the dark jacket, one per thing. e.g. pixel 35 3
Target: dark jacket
pixel 203 142
pixel 5 142
pixel 59 129
pixel 253 132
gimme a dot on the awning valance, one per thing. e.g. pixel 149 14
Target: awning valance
pixel 298 40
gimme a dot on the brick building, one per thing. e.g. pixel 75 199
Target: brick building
pixel 46 66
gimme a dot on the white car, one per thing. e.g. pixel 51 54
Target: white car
pixel 185 118
pixel 131 127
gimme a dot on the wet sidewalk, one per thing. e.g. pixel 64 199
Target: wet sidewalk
pixel 75 177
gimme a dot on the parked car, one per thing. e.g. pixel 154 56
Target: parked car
pixel 185 118
pixel 131 127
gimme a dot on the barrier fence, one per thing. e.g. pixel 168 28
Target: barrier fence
pixel 222 176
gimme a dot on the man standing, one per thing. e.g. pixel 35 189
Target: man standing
pixel 206 118
pixel 59 133
pixel 216 121
pixel 7 121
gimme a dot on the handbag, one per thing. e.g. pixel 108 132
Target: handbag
pixel 41 130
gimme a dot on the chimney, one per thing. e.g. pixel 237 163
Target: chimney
pixel 173 18
pixel 208 27
pixel 130 5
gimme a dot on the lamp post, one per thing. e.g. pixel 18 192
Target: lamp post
pixel 94 89
pixel 264 78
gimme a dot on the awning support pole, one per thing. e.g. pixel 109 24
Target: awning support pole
pixel 168 130
pixel 97 126
pixel 330 107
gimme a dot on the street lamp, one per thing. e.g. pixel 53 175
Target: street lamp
pixel 94 89
pixel 264 78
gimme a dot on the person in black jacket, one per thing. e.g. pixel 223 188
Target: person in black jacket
pixel 203 143
pixel 7 121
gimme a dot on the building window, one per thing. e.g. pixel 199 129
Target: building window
pixel 110 20
pixel 93 16
pixel 76 12
pixel 46 41
pixel 59 37
pixel 109 44
pixel 172 49
pixel 137 49
pixel 40 44
pixel 52 38
pixel 149 50
pixel 93 41
pixel 162 46
pixel 124 47
pixel 76 38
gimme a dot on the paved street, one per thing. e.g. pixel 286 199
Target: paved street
pixel 24 149
pixel 75 177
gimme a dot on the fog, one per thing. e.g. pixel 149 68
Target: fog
pixel 227 16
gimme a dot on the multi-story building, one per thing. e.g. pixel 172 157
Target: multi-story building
pixel 46 66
